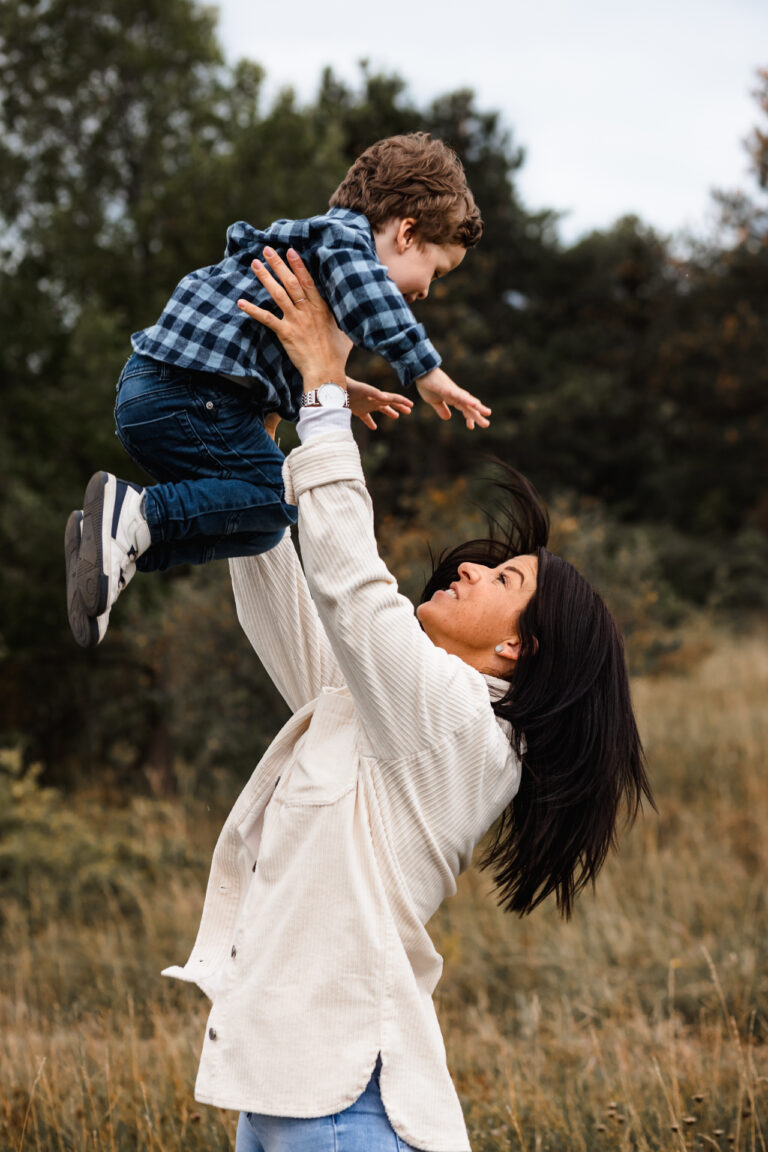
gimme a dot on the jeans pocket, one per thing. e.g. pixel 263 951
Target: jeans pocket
pixel 168 447
pixel 146 396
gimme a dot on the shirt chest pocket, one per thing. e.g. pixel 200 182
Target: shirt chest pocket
pixel 325 760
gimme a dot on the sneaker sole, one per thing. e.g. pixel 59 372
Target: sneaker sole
pixel 92 579
pixel 84 629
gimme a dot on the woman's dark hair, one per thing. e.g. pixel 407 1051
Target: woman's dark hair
pixel 569 706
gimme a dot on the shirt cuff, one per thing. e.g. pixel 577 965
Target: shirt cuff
pixel 327 460
pixel 415 362
pixel 314 422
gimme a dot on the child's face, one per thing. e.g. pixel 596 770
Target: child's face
pixel 411 263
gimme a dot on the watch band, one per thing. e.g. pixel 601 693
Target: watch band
pixel 328 395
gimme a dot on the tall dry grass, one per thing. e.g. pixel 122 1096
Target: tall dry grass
pixel 641 1024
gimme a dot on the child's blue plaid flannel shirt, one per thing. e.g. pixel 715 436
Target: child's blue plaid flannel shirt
pixel 202 328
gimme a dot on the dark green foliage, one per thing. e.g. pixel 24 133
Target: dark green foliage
pixel 618 372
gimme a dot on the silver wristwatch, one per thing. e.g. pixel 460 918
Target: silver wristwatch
pixel 326 396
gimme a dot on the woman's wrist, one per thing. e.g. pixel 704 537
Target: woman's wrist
pixel 307 330
pixel 333 373
pixel 314 422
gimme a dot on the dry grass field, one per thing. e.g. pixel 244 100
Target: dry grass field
pixel 641 1024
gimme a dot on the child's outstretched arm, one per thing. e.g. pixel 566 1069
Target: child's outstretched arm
pixel 442 394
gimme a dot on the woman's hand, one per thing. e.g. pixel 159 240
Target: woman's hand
pixel 307 329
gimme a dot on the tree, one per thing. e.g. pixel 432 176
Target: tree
pixel 616 371
pixel 104 133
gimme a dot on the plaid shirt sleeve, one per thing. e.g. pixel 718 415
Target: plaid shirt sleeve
pixel 372 311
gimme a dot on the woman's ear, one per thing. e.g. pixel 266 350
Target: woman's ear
pixel 509 649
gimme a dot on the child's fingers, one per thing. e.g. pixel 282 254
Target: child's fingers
pixel 467 400
pixel 473 409
pixel 473 402
pixel 469 407
pixel 473 417
pixel 480 414
pixel 394 405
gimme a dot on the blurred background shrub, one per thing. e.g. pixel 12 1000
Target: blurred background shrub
pixel 627 372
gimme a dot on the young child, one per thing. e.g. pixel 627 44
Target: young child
pixel 193 397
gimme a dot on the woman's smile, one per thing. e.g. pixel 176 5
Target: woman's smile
pixel 480 610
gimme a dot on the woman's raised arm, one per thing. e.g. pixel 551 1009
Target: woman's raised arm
pixel 409 693
pixel 278 616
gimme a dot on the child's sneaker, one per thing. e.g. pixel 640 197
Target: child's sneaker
pixel 87 630
pixel 114 534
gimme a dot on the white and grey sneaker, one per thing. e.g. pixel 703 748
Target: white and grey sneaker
pixel 114 534
pixel 87 630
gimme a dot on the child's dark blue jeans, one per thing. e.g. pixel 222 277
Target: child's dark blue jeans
pixel 219 490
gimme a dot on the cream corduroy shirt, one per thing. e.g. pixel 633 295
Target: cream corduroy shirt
pixel 348 835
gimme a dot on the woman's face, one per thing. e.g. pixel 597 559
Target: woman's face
pixel 480 611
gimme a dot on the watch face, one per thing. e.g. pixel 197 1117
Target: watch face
pixel 331 396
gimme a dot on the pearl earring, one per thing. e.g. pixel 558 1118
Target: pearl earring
pixel 499 648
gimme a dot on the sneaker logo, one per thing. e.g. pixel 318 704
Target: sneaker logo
pixel 120 490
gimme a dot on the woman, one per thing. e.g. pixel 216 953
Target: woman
pixel 506 700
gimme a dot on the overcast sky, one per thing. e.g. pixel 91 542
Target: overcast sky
pixel 621 107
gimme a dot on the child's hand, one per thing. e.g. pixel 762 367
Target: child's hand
pixel 364 399
pixel 439 391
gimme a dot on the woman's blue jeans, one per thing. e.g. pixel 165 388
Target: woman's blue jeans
pixel 219 473
pixel 363 1127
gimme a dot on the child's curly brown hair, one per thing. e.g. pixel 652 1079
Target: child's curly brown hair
pixel 413 176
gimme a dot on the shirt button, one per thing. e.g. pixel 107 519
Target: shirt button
pixel 212 1033
pixel 209 404
pixel 233 953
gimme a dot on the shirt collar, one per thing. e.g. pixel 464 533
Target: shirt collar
pixel 497 687
pixel 354 220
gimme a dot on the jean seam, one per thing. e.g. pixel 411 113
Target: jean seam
pixel 208 447
pixel 193 439
pixel 219 438
pixel 137 373
pixel 174 390
pixel 135 455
